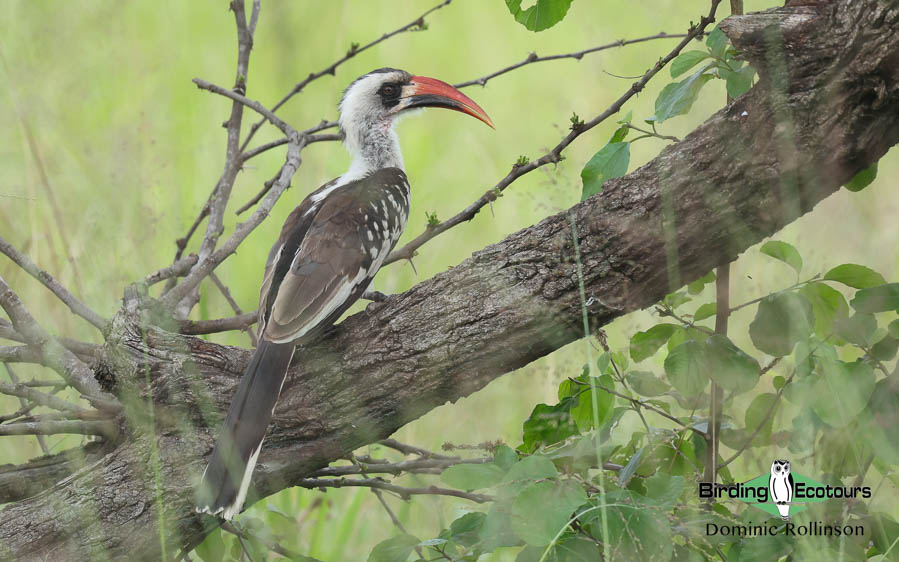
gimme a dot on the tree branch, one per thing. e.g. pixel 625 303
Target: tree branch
pixel 330 70
pixel 380 484
pixel 76 306
pixel 554 155
pixel 577 55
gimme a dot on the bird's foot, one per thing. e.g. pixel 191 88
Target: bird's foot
pixel 374 296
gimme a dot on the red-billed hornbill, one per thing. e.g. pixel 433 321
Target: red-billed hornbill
pixel 330 248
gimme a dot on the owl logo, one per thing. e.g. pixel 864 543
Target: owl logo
pixel 780 485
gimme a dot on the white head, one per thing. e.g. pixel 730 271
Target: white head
pixel 372 104
pixel 780 468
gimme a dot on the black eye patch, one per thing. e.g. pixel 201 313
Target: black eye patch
pixel 390 93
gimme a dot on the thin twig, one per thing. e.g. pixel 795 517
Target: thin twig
pixel 180 268
pixel 417 466
pixel 26 407
pixel 311 138
pixel 243 100
pixel 554 155
pixel 226 292
pixel 639 403
pixel 271 545
pixel 214 226
pixel 76 306
pixel 202 269
pixel 577 55
pixel 352 52
pixel 60 359
pixel 413 450
pixel 27 393
pixel 199 327
pixel 102 428
pixel 401 491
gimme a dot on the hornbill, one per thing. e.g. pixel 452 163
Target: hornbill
pixel 330 248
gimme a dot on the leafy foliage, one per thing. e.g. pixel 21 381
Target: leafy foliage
pixel 542 15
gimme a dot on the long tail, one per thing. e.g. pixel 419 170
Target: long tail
pixel 227 476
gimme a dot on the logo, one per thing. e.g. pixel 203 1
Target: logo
pixel 782 493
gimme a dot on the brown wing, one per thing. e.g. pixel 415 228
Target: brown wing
pixel 327 256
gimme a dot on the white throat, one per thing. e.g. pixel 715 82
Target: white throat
pixel 372 146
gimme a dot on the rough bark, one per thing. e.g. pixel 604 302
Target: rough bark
pixel 827 106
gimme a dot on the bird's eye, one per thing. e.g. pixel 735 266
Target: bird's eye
pixel 388 90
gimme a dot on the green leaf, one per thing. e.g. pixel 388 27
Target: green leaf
pixel 542 509
pixel 630 468
pixel 664 489
pixel 781 320
pixel 636 531
pixel 496 531
pixel 534 467
pixel 684 368
pixel 757 413
pixel 852 383
pixel 697 286
pixel 877 299
pixel 685 61
pixel 856 276
pixel 627 117
pixel 863 179
pixel 212 549
pixel 645 344
pixel 542 15
pixel 610 162
pixel 828 306
pixel 730 366
pixel 619 134
pixel 856 329
pixel 583 412
pixel 646 384
pixel 472 476
pixel 885 349
pixel 706 310
pixel 894 328
pixel 783 252
pixel 396 549
pixel 504 457
pixel 738 82
pixel 547 425
pixel 717 42
pixel 677 98
pixel 674 300
pixel 466 529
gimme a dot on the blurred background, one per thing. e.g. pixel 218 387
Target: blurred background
pixel 108 152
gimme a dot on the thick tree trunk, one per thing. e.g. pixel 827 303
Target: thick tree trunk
pixel 827 106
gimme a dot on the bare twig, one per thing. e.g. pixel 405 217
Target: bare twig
pixel 223 289
pixel 554 155
pixel 269 544
pixel 27 393
pixel 25 408
pixel 577 55
pixel 417 466
pixel 311 138
pixel 222 191
pixel 413 450
pixel 180 268
pixel 198 327
pixel 60 359
pixel 103 428
pixel 354 50
pixel 75 305
pixel 243 100
pixel 202 269
pixel 381 484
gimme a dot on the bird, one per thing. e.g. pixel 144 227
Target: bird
pixel 329 250
pixel 780 484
